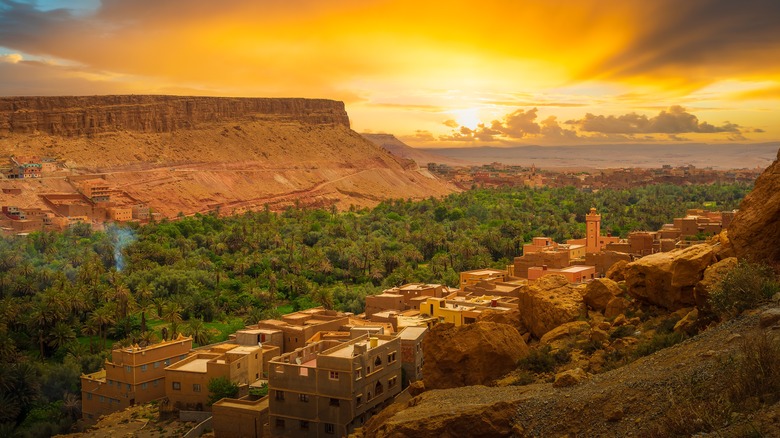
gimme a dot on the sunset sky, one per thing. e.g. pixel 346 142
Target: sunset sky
pixel 454 73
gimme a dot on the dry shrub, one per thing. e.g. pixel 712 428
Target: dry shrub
pixel 757 374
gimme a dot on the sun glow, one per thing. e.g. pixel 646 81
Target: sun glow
pixel 467 117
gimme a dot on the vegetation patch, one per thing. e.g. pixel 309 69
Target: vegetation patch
pixel 744 287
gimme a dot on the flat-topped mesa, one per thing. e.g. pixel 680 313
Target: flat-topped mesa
pixel 88 115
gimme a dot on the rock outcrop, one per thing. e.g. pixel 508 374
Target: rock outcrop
pixel 548 303
pixel 755 230
pixel 668 279
pixel 712 275
pixel 473 354
pixel 616 272
pixel 88 115
pixel 599 292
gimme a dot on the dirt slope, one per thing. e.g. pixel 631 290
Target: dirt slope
pixel 196 154
pixel 633 400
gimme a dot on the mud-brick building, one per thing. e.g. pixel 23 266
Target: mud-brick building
pixel 328 388
pixel 133 375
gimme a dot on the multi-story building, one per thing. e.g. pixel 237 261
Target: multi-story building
pixel 295 328
pixel 96 190
pixel 133 375
pixel 412 353
pixel 187 381
pixel 329 388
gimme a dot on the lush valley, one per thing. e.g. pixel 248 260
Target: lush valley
pixel 68 297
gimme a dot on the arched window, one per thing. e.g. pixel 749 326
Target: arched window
pixel 377 362
pixel 379 389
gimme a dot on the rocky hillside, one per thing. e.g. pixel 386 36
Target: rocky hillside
pixel 657 349
pixel 755 231
pixel 193 154
pixel 402 150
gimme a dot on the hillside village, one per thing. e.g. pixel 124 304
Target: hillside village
pixel 320 372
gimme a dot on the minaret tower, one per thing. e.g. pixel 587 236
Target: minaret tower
pixel 592 232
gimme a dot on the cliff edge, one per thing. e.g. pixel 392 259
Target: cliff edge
pixel 88 115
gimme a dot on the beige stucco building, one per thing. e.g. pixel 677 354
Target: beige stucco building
pixel 132 375
pixel 329 388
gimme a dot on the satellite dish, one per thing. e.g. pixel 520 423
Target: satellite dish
pixel 298 360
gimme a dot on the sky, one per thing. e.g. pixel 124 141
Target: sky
pixel 435 74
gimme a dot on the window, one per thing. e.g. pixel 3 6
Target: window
pixel 392 381
pixel 110 383
pixel 156 382
pixel 182 357
pixel 143 385
pixel 196 387
pixel 359 400
pixel 129 387
pixel 330 429
pixel 391 357
pixel 176 386
pixel 89 396
pixel 303 397
pixel 280 395
pixel 377 361
pixel 334 402
pixel 157 364
pixel 128 368
pixel 358 375
pixel 238 365
pixel 143 367
pixel 279 423
pixel 167 362
pixel 304 425
pixel 102 399
pixel 334 375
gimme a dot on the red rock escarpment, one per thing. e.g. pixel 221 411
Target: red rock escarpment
pixel 755 230
pixel 87 115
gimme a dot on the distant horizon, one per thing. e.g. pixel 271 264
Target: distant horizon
pixel 490 72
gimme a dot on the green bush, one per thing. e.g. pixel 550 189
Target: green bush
pixel 658 342
pixel 623 331
pixel 543 360
pixel 744 287
pixel 221 387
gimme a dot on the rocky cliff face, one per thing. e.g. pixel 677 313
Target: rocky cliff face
pixel 88 115
pixel 755 230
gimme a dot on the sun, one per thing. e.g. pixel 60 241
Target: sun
pixel 467 117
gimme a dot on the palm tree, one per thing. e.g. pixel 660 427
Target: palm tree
pixel 172 314
pixel 61 334
pixel 198 330
pixel 103 317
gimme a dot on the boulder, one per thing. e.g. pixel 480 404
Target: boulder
pixel 565 331
pixel 472 354
pixel 755 230
pixel 616 272
pixel 668 279
pixel 599 292
pixel 511 317
pixel 712 275
pixel 570 378
pixel 688 324
pixel 548 303
pixel 769 318
pixel 598 335
pixel 616 306
pixel 476 411
pixel 416 388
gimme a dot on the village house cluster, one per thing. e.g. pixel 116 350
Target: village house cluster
pixel 503 175
pixel 93 201
pixel 327 372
